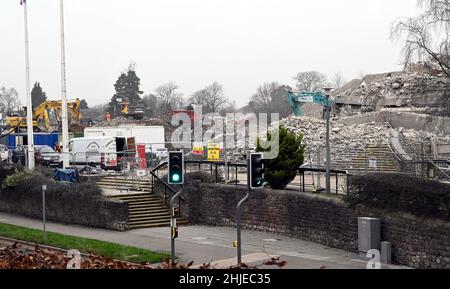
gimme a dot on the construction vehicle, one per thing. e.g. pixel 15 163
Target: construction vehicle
pixel 295 100
pixel 42 120
pixel 133 112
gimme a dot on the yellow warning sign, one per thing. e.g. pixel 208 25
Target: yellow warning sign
pixel 198 149
pixel 213 152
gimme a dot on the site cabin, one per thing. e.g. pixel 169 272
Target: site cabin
pixel 106 152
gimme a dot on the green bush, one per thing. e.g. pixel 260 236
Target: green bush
pixel 281 171
pixel 7 170
pixel 17 179
pixel 400 193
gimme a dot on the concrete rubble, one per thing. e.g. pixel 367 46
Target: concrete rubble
pixel 424 91
pixel 350 140
pixel 351 137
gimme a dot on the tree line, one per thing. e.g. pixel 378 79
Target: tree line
pixel 270 97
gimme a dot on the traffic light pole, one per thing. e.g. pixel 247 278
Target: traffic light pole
pixel 173 225
pixel 328 149
pixel 238 225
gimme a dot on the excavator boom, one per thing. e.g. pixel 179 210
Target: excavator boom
pixel 295 99
pixel 41 115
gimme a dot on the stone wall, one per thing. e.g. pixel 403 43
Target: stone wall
pixel 416 242
pixel 97 212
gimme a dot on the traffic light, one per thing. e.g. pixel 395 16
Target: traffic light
pixel 176 168
pixel 256 170
pixel 174 232
pixel 175 212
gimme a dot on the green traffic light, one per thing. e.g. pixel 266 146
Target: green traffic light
pixel 176 177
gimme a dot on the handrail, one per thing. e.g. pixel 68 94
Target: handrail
pixel 172 190
pixel 437 167
pixel 217 163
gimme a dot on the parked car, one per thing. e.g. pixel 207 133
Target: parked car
pixel 19 155
pixel 4 153
pixel 44 156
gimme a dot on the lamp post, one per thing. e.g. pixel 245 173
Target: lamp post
pixel 65 123
pixel 328 112
pixel 30 137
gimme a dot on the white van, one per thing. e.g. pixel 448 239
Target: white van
pixel 106 152
pixel 4 153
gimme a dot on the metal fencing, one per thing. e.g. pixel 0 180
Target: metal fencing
pixel 133 165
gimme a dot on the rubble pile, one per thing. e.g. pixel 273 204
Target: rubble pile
pixel 353 137
pixel 397 89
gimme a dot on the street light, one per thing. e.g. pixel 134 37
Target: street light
pixel 328 112
pixel 64 115
pixel 30 136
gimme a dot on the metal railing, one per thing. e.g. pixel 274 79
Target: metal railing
pixel 167 188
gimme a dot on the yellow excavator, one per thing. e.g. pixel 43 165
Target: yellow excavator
pixel 41 116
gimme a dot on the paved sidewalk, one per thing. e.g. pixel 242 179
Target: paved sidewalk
pixel 204 244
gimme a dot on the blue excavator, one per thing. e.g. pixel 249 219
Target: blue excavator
pixel 295 99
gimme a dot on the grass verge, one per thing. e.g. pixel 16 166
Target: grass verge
pixel 84 245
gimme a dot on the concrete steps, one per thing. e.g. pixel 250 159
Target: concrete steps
pixel 125 184
pixel 381 153
pixel 147 211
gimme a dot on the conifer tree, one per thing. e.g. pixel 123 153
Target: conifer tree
pixel 281 171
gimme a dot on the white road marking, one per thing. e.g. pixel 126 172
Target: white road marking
pixel 199 238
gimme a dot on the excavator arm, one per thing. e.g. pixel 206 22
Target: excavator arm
pixel 41 114
pixel 295 99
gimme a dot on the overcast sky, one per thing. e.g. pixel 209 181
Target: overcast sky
pixel 239 43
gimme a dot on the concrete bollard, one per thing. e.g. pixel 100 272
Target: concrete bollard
pixel 386 253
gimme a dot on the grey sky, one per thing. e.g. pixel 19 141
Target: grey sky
pixel 240 43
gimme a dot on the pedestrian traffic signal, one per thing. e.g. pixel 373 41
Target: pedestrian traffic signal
pixel 176 168
pixel 175 212
pixel 256 170
pixel 174 232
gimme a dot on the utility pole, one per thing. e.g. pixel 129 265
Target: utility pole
pixel 65 124
pixel 328 112
pixel 30 136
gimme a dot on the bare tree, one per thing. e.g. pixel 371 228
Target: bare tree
pixel 264 97
pixel 199 97
pixel 338 80
pixel 427 36
pixel 168 97
pixel 212 97
pixel 310 81
pixel 9 100
pixel 231 107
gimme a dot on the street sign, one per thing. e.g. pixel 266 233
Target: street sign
pixel 198 149
pixel 213 152
pixel 162 153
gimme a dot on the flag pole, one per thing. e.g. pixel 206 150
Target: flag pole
pixel 65 124
pixel 30 137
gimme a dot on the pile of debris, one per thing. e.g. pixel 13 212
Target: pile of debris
pixel 353 137
pixel 426 92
